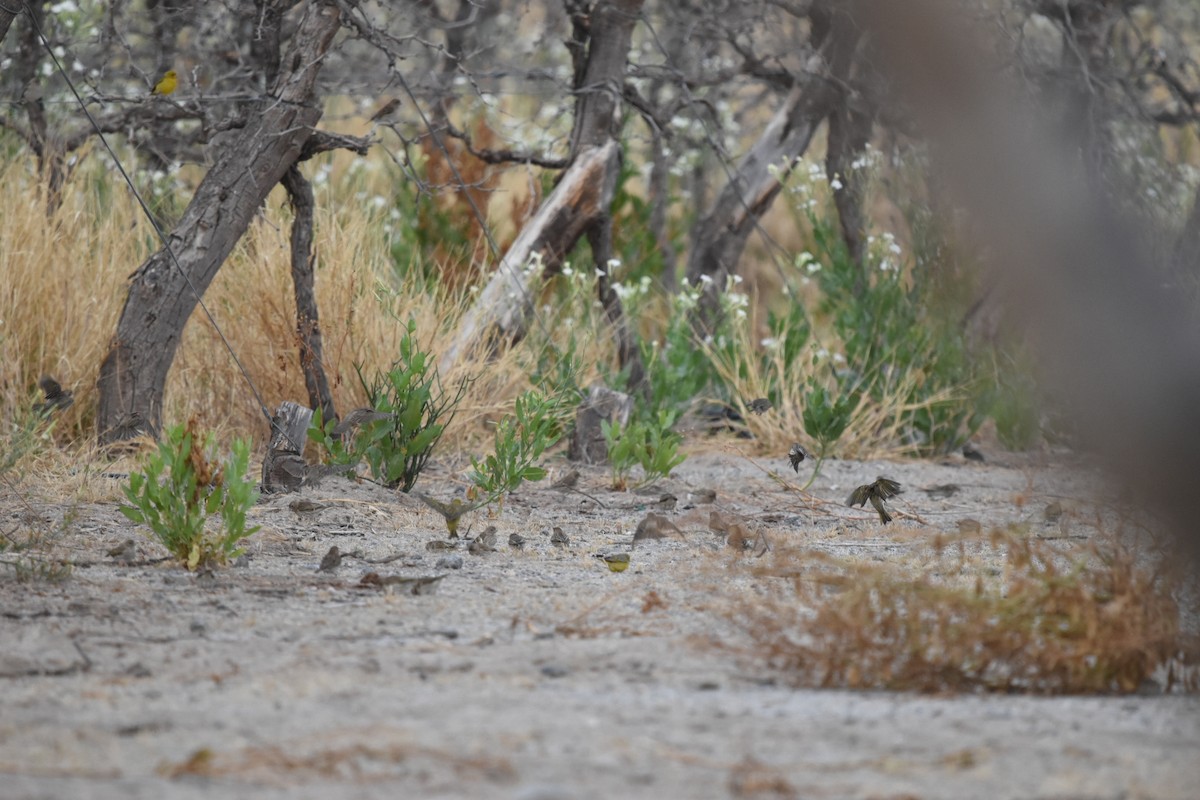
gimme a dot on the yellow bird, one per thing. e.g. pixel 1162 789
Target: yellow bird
pixel 166 83
pixel 617 562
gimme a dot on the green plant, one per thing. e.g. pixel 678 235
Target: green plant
pixel 182 486
pixel 33 554
pixel 29 552
pixel 537 423
pixel 899 347
pixel 650 444
pixel 398 447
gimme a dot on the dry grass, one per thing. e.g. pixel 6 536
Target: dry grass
pixel 65 280
pixel 875 427
pixel 1046 622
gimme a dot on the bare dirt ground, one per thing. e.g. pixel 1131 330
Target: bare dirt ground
pixel 534 673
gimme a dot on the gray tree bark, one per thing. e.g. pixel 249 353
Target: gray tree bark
pixel 583 196
pixel 308 328
pixel 161 297
pixel 719 237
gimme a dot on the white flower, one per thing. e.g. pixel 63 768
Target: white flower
pixel 613 263
pixel 706 279
pixel 769 342
pixel 835 184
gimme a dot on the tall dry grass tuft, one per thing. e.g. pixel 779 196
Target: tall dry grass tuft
pixel 1046 623
pixel 876 423
pixel 63 282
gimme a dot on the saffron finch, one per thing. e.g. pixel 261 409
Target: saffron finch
pixel 166 83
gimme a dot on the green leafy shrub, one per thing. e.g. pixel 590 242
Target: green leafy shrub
pixel 537 424
pixel 650 444
pixel 398 447
pixel 182 486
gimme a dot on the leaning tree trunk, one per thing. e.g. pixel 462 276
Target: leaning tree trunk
pixel 582 198
pixel 583 195
pixel 720 236
pixel 162 297
pixel 7 15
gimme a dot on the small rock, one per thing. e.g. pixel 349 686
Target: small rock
pixel 555 671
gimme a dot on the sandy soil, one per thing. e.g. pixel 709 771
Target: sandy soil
pixel 535 673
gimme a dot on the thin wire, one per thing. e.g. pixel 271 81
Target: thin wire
pixel 146 210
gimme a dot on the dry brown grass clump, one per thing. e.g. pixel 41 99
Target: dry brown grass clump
pixel 63 282
pixel 1045 623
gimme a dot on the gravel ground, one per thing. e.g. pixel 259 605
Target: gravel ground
pixel 534 673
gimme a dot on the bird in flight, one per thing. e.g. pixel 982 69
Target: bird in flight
pixel 882 489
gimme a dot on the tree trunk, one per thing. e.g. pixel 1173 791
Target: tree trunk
pixel 581 197
pixel 849 131
pixel 308 329
pixel 162 295
pixel 584 194
pixel 7 15
pixel 720 236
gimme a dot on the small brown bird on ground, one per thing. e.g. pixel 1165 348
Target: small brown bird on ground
pixel 566 481
pixel 126 551
pixel 57 398
pixel 452 511
pixel 667 503
pixel 484 542
pixel 796 455
pixel 760 406
pixel 656 526
pixel 304 505
pixel 516 541
pixel 559 539
pixel 877 492
pixel 286 472
pixel 943 490
pixel 331 561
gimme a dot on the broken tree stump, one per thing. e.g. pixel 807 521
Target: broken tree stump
pixel 602 404
pixel 284 468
